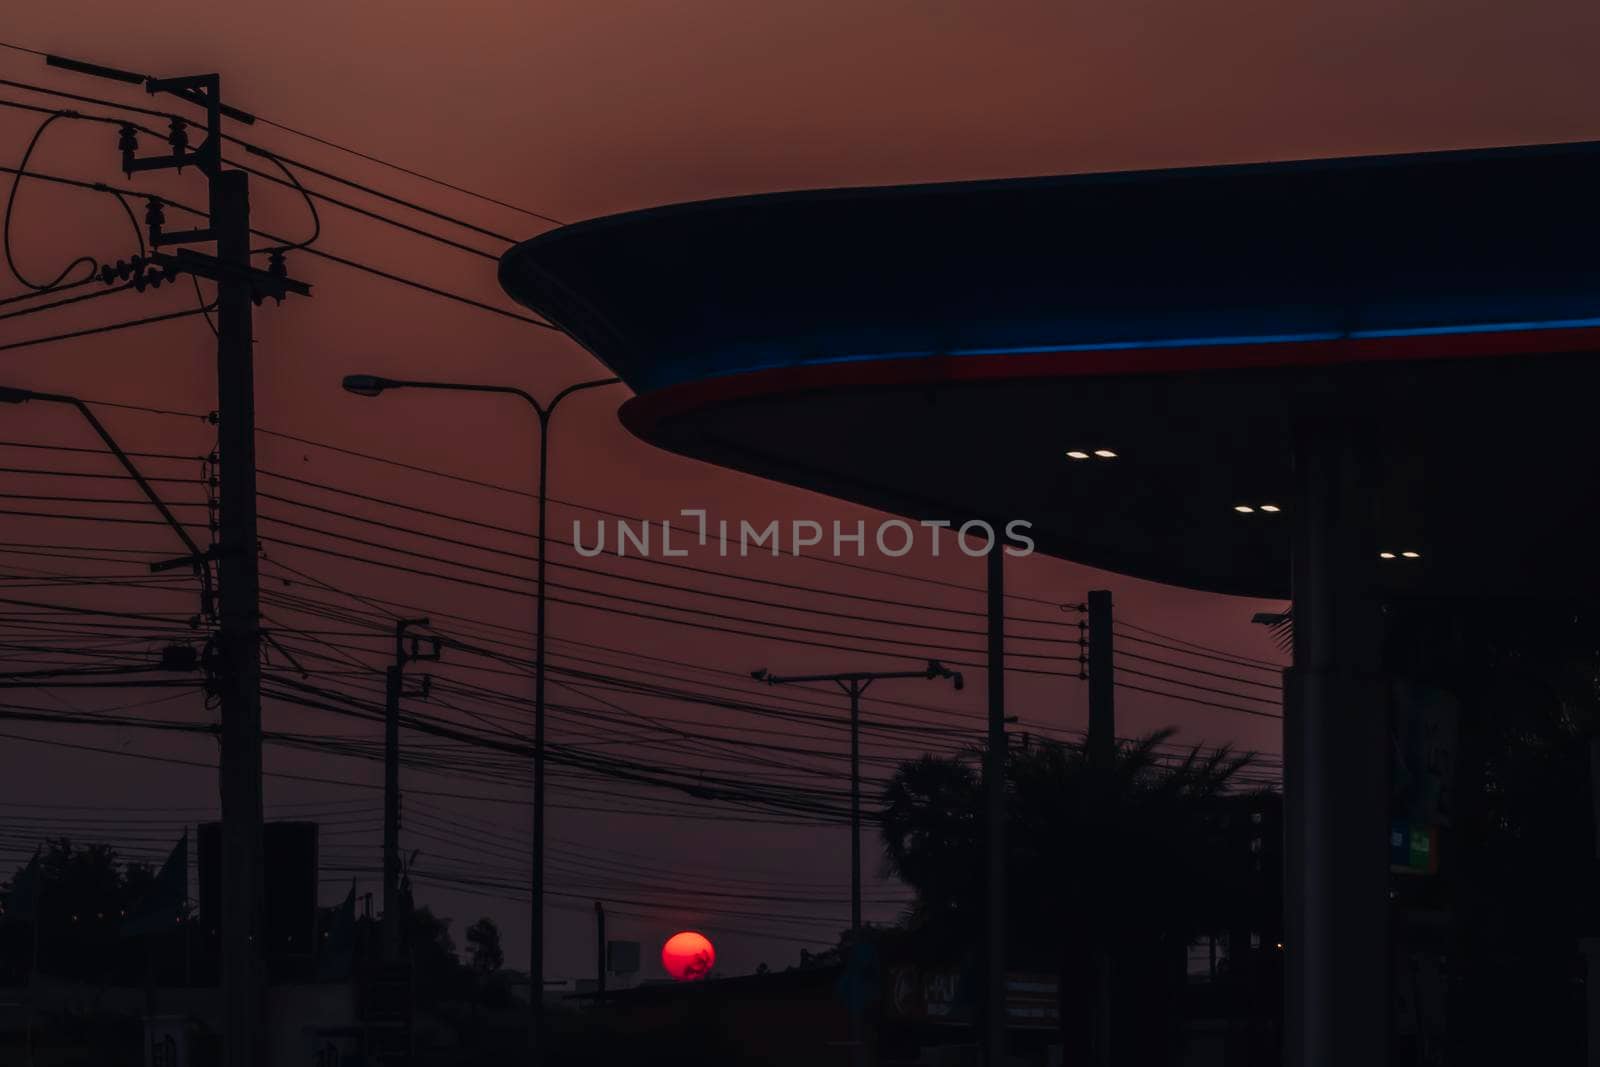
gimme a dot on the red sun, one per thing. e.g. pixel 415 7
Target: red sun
pixel 688 956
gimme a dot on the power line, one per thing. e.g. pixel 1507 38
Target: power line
pixel 1270 686
pixel 459 644
pixel 104 102
pixel 467 479
pixel 642 560
pixel 1200 702
pixel 290 181
pixel 386 611
pixel 598 572
pixel 1238 658
pixel 499 487
pixel 83 450
pixel 415 174
pixel 36 294
pixel 646 616
pixel 21 171
pixel 146 409
pixel 311 206
pixel 317 252
pixel 92 331
pixel 1193 685
pixel 80 298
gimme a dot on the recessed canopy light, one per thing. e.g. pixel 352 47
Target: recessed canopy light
pixel 1077 455
pixel 1412 555
pixel 1243 509
pixel 1386 555
pixel 1272 508
pixel 1105 453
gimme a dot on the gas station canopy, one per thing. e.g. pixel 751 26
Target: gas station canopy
pixel 941 351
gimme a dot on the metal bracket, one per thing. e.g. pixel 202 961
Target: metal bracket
pixel 211 554
pixel 262 283
pixel 183 237
pixel 285 653
pixel 416 655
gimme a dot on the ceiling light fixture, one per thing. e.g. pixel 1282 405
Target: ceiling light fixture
pixel 1412 555
pixel 1386 555
pixel 1075 454
pixel 1272 509
pixel 1243 509
pixel 1105 453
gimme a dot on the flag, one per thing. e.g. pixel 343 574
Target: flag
pixel 22 903
pixel 159 910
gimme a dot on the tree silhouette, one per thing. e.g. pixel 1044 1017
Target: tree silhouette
pixel 484 953
pixel 1120 861
pixel 85 892
pixel 438 971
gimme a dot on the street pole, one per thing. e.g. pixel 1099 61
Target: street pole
pixel 33 959
pixel 599 953
pixel 856 689
pixel 237 675
pixel 374 385
pixel 239 638
pixel 1101 746
pixel 994 787
pixel 855 683
pixel 394 689
pixel 393 679
pixel 1102 681
pixel 536 934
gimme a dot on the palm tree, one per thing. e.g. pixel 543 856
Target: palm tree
pixel 1117 863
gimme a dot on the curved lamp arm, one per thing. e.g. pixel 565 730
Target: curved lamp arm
pixel 373 385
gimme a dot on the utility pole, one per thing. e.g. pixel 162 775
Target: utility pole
pixel 393 691
pixel 235 665
pixel 599 952
pixel 239 640
pixel 994 789
pixel 855 683
pixel 1102 681
pixel 1102 747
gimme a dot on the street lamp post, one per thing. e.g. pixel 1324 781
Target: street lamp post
pixel 373 385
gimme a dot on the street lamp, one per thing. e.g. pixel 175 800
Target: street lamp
pixel 371 385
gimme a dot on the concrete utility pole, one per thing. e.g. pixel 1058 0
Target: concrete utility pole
pixel 236 675
pixel 855 683
pixel 239 638
pixel 393 691
pixel 994 790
